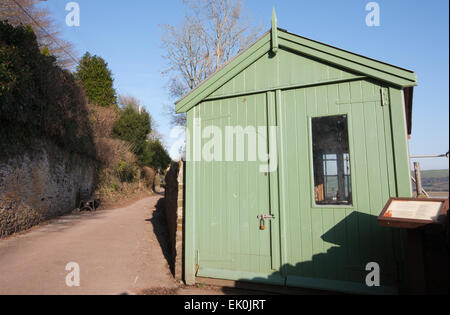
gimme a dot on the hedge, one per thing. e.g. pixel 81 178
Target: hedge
pixel 37 98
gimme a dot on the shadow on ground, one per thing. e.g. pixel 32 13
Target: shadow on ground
pixel 161 230
pixel 200 290
pixel 56 225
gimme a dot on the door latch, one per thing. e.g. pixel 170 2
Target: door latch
pixel 262 220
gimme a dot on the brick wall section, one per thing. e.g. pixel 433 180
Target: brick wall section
pixel 39 184
pixel 174 207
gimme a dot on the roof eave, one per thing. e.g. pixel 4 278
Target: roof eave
pixel 373 68
pixel 390 74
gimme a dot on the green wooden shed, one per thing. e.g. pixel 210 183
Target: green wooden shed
pixel 340 151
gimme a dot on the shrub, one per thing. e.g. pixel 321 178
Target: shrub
pixel 126 172
pixel 148 174
pixel 37 98
pixel 102 120
pixel 160 159
pixel 134 127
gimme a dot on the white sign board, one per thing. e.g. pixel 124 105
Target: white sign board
pixel 416 210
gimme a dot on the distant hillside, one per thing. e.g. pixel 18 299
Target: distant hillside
pixel 435 180
pixel 435 174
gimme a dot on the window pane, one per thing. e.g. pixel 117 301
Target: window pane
pixel 331 167
pixel 332 175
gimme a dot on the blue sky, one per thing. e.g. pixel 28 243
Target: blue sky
pixel 413 34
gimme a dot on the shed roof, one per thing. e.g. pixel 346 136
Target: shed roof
pixel 277 38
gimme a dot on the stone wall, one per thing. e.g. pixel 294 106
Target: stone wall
pixel 40 184
pixel 174 207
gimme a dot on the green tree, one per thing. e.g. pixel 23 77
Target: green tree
pixel 134 127
pixel 160 159
pixel 97 80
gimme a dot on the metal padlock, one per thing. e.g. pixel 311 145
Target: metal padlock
pixel 262 224
pixel 262 220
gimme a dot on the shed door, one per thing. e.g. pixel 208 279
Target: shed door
pixel 232 190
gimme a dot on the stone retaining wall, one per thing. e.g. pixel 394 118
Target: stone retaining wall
pixel 174 207
pixel 40 184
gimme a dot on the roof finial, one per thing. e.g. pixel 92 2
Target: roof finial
pixel 274 31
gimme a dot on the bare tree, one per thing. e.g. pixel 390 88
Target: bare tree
pixel 155 134
pixel 129 101
pixel 212 33
pixel 226 26
pixel 29 12
pixel 186 54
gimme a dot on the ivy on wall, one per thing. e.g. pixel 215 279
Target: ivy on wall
pixel 38 99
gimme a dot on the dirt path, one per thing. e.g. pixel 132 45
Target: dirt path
pixel 118 252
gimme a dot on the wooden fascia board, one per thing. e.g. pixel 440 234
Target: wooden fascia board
pixel 367 66
pixel 322 52
pixel 249 56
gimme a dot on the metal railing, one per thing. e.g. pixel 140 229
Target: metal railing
pixel 431 156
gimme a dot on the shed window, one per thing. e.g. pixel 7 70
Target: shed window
pixel 332 174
